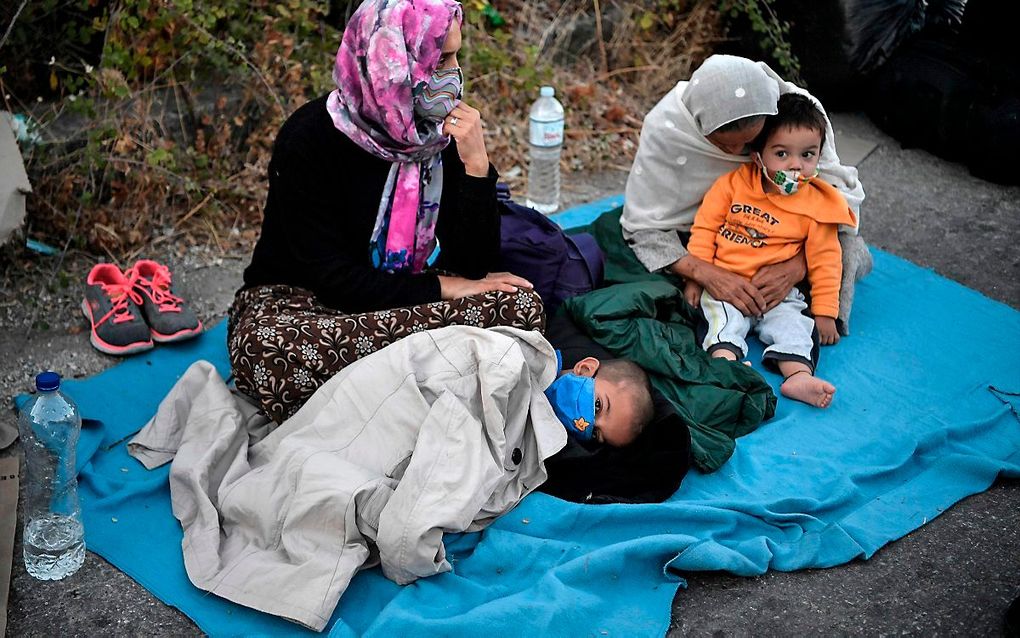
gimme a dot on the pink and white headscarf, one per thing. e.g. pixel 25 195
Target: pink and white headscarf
pixel 389 48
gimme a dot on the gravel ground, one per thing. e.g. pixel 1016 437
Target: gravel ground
pixel 39 309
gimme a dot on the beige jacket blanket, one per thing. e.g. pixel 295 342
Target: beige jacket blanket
pixel 442 431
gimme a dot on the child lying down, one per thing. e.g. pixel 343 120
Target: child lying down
pixel 442 431
pixel 605 402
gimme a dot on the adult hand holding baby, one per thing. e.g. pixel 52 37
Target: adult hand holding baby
pixel 722 284
pixel 775 281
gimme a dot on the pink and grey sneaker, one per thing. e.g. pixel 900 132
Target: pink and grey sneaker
pixel 111 306
pixel 168 317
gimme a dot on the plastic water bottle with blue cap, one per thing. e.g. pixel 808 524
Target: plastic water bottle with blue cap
pixel 54 538
pixel 545 135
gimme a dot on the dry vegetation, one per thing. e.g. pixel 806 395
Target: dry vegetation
pixel 606 83
pixel 165 137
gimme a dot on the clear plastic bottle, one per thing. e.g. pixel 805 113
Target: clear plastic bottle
pixel 54 538
pixel 545 134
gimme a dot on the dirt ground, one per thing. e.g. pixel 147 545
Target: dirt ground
pixel 954 576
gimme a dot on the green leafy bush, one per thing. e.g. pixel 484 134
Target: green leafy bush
pixel 771 35
pixel 172 105
pixel 157 116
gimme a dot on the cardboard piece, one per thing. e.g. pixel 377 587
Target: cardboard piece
pixel 14 184
pixel 8 521
pixel 8 435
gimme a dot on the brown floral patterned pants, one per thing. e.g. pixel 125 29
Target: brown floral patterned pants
pixel 284 344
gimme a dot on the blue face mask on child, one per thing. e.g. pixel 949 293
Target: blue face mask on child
pixel 573 400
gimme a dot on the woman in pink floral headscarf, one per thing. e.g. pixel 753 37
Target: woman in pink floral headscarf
pixel 374 190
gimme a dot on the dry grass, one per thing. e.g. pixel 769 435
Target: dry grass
pixel 182 164
pixel 606 89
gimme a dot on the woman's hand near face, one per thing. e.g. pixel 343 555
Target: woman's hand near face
pixel 464 124
pixel 457 287
pixel 775 281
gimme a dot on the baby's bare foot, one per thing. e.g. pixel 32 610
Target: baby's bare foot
pixel 811 390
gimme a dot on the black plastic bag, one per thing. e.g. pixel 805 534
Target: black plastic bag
pixel 839 42
pixel 875 28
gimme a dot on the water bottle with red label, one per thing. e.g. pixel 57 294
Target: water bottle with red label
pixel 545 135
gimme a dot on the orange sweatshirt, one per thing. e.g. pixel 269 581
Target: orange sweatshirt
pixel 741 228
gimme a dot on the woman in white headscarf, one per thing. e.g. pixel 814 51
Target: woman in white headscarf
pixel 698 132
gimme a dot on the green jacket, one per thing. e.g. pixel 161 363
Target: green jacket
pixel 647 321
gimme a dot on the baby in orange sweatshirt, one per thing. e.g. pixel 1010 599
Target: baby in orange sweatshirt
pixel 763 213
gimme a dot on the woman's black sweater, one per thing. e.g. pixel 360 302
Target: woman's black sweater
pixel 324 193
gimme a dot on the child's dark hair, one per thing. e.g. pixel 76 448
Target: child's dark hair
pixel 794 111
pixel 629 376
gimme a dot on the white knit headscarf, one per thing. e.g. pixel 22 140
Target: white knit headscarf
pixel 727 88
pixel 675 163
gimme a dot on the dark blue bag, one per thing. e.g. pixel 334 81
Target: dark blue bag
pixel 536 248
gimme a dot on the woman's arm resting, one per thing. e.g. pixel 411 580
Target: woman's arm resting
pixel 456 287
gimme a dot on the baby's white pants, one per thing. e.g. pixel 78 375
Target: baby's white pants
pixel 787 334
